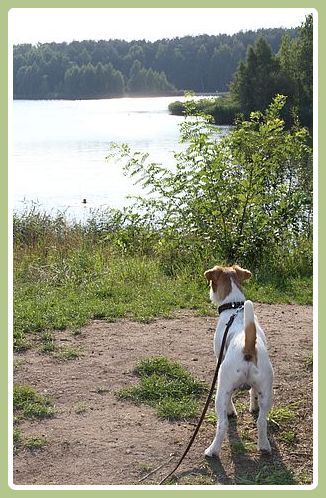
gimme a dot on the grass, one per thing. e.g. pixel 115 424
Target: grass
pixel 290 291
pixel 66 275
pixel 17 439
pixel 67 353
pixel 269 476
pixel 241 447
pixel 48 344
pixel 28 403
pixel 282 415
pixel 81 408
pixel 167 387
pixel 309 361
pixel 35 442
pixel 288 437
pixel 111 287
pixel 211 417
pixel 31 442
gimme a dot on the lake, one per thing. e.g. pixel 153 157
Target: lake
pixel 59 149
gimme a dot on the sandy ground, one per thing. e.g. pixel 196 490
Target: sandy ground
pixel 95 438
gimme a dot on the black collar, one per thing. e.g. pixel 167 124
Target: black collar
pixel 229 306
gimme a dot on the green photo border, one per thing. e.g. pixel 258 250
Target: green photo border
pixel 5 6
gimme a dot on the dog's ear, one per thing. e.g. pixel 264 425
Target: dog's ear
pixel 213 274
pixel 242 274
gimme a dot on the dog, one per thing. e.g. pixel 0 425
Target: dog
pixel 245 362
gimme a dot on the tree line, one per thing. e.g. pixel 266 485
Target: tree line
pixel 109 68
pixel 262 75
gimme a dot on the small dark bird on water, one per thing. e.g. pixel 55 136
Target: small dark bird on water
pixel 84 201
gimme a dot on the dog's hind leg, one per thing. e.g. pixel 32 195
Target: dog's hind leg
pixel 231 409
pixel 265 402
pixel 254 407
pixel 223 400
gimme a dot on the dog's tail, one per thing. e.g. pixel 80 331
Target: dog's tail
pixel 249 349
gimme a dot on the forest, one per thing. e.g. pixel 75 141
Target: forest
pixel 261 75
pixel 113 68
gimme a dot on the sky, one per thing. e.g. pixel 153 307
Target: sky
pixel 46 25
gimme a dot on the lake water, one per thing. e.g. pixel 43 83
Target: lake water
pixel 59 149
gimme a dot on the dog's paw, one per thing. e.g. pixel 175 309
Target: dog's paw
pixel 265 448
pixel 210 452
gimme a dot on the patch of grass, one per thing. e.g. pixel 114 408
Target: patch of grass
pixel 309 361
pixel 35 442
pixel 177 409
pixel 211 417
pixel 18 363
pixel 21 343
pixel 28 403
pixel 67 353
pixel 241 447
pixel 305 477
pixel 268 475
pixel 144 468
pixel 31 443
pixel 288 291
pixel 281 415
pixel 288 437
pixel 140 291
pixel 81 408
pixel 197 479
pixel 241 406
pixel 17 439
pixel 166 386
pixel 48 344
pixel 244 444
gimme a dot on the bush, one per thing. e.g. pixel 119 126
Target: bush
pixel 245 198
pixel 223 110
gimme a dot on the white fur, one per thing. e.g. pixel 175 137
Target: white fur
pixel 236 371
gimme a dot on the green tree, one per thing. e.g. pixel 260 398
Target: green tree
pixel 256 81
pixel 296 62
pixel 147 81
pixel 136 81
pixel 72 82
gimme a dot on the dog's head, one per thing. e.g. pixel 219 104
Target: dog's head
pixel 221 278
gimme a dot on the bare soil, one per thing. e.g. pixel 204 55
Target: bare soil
pixel 95 438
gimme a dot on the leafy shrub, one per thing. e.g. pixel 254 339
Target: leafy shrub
pixel 245 197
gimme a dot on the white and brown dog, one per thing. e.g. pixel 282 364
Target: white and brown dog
pixel 246 361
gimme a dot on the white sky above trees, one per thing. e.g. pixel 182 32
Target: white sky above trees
pixel 46 25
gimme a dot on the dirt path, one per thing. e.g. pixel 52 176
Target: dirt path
pixel 97 439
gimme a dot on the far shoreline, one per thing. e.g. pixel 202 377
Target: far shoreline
pixel 178 93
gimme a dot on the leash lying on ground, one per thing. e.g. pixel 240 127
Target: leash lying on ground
pixel 238 307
